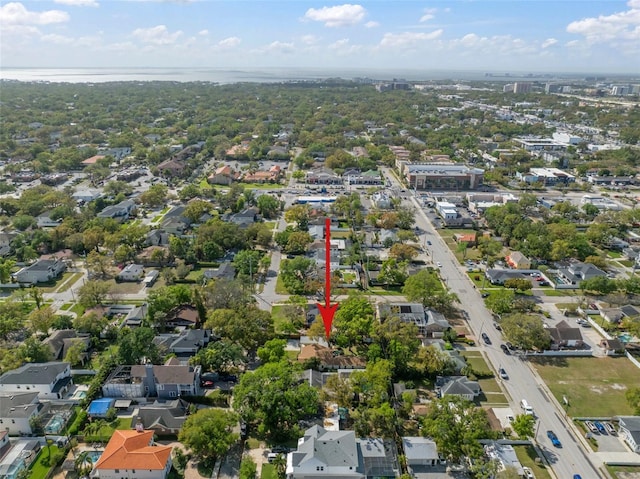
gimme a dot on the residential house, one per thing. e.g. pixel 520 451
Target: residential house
pixel 44 220
pixel 18 459
pixel 119 212
pixel 246 217
pixel 457 386
pixel 505 455
pixel 338 454
pixel 86 195
pixel 420 452
pixel 612 315
pixel 168 381
pixel 327 359
pixel 629 430
pixel 577 272
pixel 322 176
pixel 50 380
pixel 5 242
pixel 162 417
pixel 225 271
pixel 157 237
pixel 131 273
pixel 185 316
pixel 563 335
pixel 612 346
pixel 172 167
pixel 517 260
pixel 61 340
pixel 132 454
pixel 42 271
pixel 323 453
pixel 381 200
pixel 467 238
pixel 16 412
pixel 223 175
pixel 183 344
pixel 150 278
pixel 158 256
pixel 499 276
pixel 430 323
pixel 92 160
pixel 174 222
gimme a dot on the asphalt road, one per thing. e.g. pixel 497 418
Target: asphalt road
pixel 523 382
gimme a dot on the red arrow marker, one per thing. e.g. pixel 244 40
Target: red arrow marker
pixel 327 310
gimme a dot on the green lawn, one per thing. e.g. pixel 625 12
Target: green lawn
pixel 614 470
pixel 477 362
pixel 594 386
pixel 78 309
pixel 66 306
pixel 38 469
pixel 69 282
pixel 280 289
pixel 270 224
pixel 527 457
pixel 562 292
pixel 268 472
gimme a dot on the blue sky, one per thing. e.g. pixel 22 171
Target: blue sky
pixel 509 35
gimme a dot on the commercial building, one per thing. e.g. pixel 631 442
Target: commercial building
pixel 442 177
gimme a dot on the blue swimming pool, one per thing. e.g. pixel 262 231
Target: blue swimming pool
pixel 625 337
pixel 55 424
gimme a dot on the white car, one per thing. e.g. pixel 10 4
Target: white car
pixel 528 473
pixel 439 264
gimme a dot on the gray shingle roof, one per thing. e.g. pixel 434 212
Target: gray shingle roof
pixel 36 373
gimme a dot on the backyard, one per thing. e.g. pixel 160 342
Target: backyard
pixel 584 380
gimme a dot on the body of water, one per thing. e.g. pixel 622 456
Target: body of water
pixel 226 76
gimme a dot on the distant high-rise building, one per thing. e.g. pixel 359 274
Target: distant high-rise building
pixel 508 88
pixel 552 88
pixel 620 90
pixel 521 87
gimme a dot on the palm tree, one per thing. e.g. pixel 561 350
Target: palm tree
pixel 280 464
pixel 83 464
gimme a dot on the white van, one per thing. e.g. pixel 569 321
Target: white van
pixel 526 408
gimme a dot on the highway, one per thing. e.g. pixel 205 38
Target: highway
pixel 523 382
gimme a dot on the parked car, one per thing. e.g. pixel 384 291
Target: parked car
pixel 510 418
pixel 429 242
pixel 505 349
pixel 528 473
pixel 439 264
pixel 554 439
pixel 207 384
pixel 503 373
pixel 232 378
pixel 485 338
pixel 592 427
pixel 497 326
pixel 577 476
pixel 485 295
pixel 610 429
pixel 600 426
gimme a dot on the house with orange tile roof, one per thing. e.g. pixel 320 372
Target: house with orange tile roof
pixel 132 454
pixel 92 160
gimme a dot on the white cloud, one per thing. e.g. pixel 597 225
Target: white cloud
pixel 337 16
pixel 309 39
pixel 429 13
pixel 203 32
pixel 78 3
pixel 549 42
pixel 473 44
pixel 408 38
pixel 57 39
pixel 344 47
pixel 372 24
pixel 623 26
pixel 16 14
pixel 278 47
pixel 229 42
pixel 158 35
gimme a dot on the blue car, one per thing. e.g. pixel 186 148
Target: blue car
pixel 577 476
pixel 600 426
pixel 554 439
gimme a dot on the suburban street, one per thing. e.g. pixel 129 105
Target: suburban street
pixel 523 382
